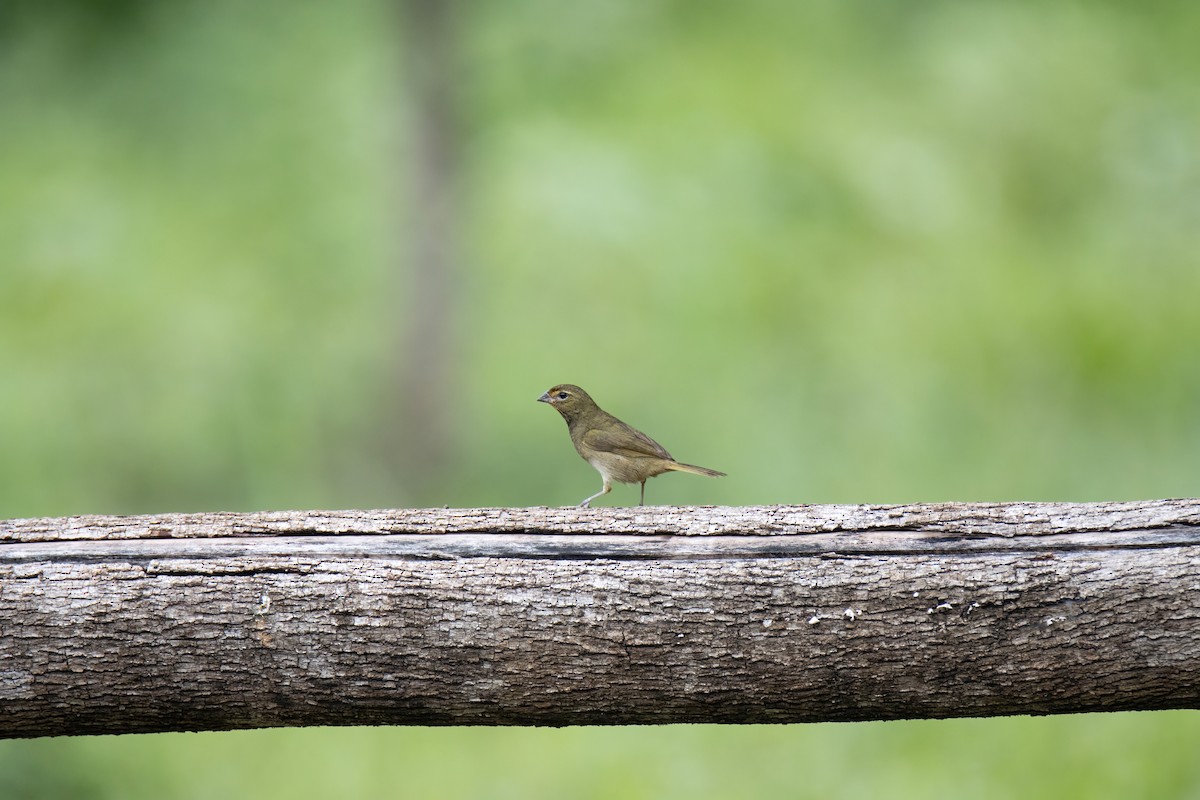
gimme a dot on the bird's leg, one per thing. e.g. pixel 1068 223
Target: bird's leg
pixel 643 502
pixel 607 488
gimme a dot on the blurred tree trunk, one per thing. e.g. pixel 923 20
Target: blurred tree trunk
pixel 422 435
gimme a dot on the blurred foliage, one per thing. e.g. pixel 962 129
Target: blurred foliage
pixel 1050 758
pixel 845 252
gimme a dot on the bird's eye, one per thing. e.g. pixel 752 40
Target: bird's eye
pixel 562 395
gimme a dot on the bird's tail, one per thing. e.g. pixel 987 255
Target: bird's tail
pixel 692 468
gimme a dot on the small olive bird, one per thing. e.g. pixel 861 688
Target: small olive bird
pixel 619 452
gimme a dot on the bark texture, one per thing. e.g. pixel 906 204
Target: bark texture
pixel 540 616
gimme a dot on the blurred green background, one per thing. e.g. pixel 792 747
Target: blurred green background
pixel 843 251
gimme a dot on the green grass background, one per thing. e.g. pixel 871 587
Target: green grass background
pixel 843 251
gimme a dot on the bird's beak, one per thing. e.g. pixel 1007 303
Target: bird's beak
pixel 545 398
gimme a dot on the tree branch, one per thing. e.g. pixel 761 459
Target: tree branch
pixel 596 616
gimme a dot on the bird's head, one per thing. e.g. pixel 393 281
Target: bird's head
pixel 568 399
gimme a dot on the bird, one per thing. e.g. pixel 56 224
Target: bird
pixel 619 452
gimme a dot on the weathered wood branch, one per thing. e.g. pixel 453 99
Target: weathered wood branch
pixel 596 616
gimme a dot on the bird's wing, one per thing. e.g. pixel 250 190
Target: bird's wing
pixel 625 440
